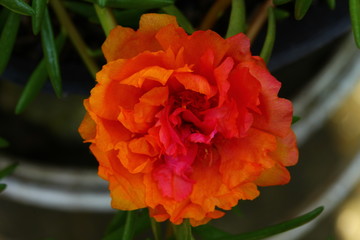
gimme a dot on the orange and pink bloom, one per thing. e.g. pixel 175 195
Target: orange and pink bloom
pixel 186 125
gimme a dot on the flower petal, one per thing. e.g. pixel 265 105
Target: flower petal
pixel 127 190
pixel 243 160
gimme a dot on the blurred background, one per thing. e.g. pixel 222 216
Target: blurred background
pixel 55 192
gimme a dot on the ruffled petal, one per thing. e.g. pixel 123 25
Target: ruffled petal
pixel 126 43
pixel 243 160
pixel 276 113
pixel 127 190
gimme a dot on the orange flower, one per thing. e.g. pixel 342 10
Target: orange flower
pixel 186 124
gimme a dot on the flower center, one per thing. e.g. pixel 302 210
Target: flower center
pixel 193 101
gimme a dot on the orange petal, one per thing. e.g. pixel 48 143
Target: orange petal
pixel 153 22
pixel 108 95
pixel 113 47
pixel 277 175
pixel 200 42
pixel 196 83
pixel 144 145
pixel 286 152
pixel 154 73
pixel 126 189
pixel 239 47
pixel 108 132
pixel 133 162
pixel 142 117
pixel 126 43
pixel 242 160
pixel 87 128
pixel 276 113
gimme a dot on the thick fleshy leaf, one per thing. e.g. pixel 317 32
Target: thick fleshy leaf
pixel 276 229
pixel 270 36
pixel 18 6
pixel 8 170
pixel 331 4
pixel 3 143
pixel 39 7
pixel 354 7
pixel 7 39
pixel 301 8
pixel 209 232
pixel 82 9
pixel 145 4
pixel 50 53
pixel 280 2
pixel 37 79
pixel 237 18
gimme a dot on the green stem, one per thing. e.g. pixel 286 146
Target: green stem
pixel 129 227
pixel 183 231
pixel 155 228
pixel 106 18
pixel 270 36
pixel 74 36
pixel 237 18
pixel 182 20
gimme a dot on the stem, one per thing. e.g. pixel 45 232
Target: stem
pixel 106 18
pixel 214 13
pixel 183 231
pixel 237 18
pixel 258 19
pixel 74 36
pixel 182 20
pixel 155 228
pixel 270 36
pixel 129 226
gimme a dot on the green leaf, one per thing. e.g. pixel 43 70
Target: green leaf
pixel 331 4
pixel 354 7
pixel 278 228
pixel 270 36
pixel 39 7
pixel 237 18
pixel 4 13
pixel 301 8
pixel 18 6
pixel 83 9
pixel 181 19
pixel 135 4
pixel 183 231
pixel 7 39
pixel 128 17
pixel 102 3
pixel 281 14
pixel 50 53
pixel 37 79
pixel 3 143
pixel 295 119
pixel 209 232
pixel 2 187
pixel 281 2
pixel 8 170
